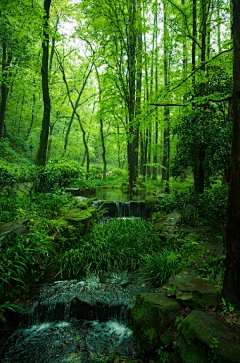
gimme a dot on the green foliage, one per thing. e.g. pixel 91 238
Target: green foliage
pixel 55 175
pixel 23 259
pixel 213 268
pixel 207 208
pixel 163 203
pixel 227 308
pixel 163 354
pixel 160 266
pixel 7 305
pixel 115 245
pixel 213 346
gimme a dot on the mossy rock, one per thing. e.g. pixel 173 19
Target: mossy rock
pixel 80 219
pixel 203 338
pixel 151 315
pixel 192 291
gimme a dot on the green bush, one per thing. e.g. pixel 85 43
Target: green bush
pixel 55 175
pixel 160 266
pixel 22 258
pixel 115 245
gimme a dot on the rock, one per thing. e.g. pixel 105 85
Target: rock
pixel 17 227
pixel 73 191
pixel 204 338
pixel 173 218
pixel 79 219
pixel 151 315
pixel 192 291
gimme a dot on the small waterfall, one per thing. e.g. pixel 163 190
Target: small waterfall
pixel 76 321
pixel 123 209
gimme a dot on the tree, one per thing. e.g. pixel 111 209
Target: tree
pixel 231 285
pixel 42 151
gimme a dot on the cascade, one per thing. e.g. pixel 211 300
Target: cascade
pixel 75 321
pixel 123 209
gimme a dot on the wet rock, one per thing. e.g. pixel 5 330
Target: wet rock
pixel 204 338
pixel 73 191
pixel 18 227
pixel 151 315
pixel 80 219
pixel 191 291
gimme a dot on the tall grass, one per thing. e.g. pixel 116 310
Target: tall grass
pixel 113 246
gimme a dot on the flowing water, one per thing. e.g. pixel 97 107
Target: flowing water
pixel 76 321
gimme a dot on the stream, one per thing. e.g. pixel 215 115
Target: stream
pixel 76 321
pixel 82 320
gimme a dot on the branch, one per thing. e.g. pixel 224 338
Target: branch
pixel 197 69
pixel 167 104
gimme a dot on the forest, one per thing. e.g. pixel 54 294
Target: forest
pixel 138 100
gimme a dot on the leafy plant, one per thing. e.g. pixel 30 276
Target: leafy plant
pixel 163 354
pixel 227 308
pixel 7 305
pixel 115 245
pixel 160 266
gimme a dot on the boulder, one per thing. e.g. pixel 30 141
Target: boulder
pixel 204 338
pixel 151 316
pixel 191 291
pixel 18 228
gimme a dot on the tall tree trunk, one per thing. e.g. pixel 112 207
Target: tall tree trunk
pixel 101 125
pixel 32 116
pixel 6 61
pixel 133 127
pixel 42 151
pixel 199 177
pixel 166 135
pixel 155 154
pixel 231 284
pixel 139 78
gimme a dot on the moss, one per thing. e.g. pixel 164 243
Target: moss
pixel 151 315
pixel 198 332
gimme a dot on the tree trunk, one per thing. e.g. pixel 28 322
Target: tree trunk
pixel 155 156
pixel 32 116
pixel 133 127
pixel 199 177
pixel 42 151
pixel 101 126
pixel 231 284
pixel 6 61
pixel 166 135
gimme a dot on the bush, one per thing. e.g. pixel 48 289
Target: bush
pixel 160 266
pixel 115 245
pixel 55 175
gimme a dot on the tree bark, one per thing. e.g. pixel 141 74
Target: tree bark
pixel 42 151
pixel 6 61
pixel 133 127
pixel 231 284
pixel 166 134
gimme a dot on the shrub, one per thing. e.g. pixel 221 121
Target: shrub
pixel 55 175
pixel 160 266
pixel 115 245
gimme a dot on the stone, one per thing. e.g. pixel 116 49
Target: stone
pixel 73 191
pixel 204 338
pixel 80 219
pixel 192 291
pixel 17 227
pixel 173 218
pixel 151 316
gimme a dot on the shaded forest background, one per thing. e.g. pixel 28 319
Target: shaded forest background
pixel 141 86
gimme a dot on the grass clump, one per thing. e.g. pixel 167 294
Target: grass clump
pixel 116 245
pixel 161 265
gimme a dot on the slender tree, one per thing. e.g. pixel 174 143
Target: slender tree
pixel 231 284
pixel 42 151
